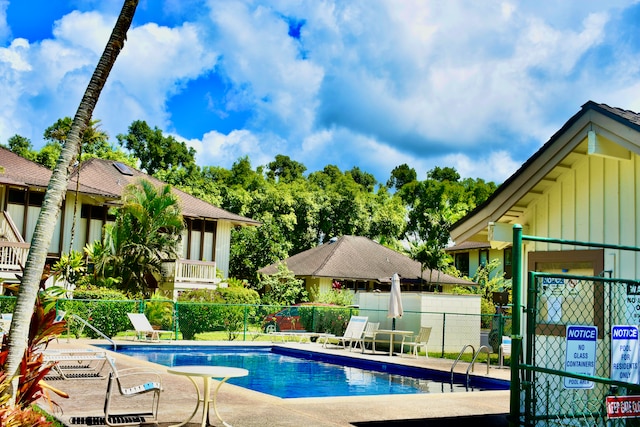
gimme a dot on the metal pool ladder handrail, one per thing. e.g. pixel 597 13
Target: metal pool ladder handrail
pixel 93 328
pixel 475 356
pixel 473 351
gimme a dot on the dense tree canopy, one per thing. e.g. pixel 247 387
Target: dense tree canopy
pixel 155 150
pixel 297 212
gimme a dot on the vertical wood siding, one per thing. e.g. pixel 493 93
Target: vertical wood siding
pixel 595 201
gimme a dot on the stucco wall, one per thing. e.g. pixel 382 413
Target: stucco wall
pixel 454 318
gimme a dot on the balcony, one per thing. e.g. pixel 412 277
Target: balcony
pixel 13 256
pixel 183 274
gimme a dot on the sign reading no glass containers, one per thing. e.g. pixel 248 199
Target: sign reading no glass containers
pixel 624 353
pixel 580 355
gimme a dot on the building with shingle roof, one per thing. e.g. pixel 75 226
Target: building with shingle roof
pixel 206 239
pixel 361 264
pixel 582 185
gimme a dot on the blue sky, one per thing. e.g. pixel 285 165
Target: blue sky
pixel 478 86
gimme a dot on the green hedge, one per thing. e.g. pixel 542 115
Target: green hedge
pixel 332 320
pixel 109 317
pixel 7 304
pixel 232 308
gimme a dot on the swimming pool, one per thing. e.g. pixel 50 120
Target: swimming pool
pixel 294 373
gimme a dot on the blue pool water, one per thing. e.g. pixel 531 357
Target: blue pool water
pixel 292 373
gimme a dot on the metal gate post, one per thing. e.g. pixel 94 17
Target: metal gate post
pixel 516 335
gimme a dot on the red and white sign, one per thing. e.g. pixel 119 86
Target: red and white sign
pixel 623 406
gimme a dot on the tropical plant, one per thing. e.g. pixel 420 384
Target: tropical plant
pixel 71 267
pixel 147 229
pixel 159 311
pixel 49 212
pixel 30 384
pixel 282 288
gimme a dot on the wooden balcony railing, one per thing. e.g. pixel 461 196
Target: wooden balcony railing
pixel 188 271
pixel 8 230
pixel 13 256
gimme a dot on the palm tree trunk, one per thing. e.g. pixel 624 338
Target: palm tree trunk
pixel 56 190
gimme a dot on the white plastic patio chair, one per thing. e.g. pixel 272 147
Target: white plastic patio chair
pixel 368 334
pixel 420 340
pixel 126 383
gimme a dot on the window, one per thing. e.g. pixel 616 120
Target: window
pixel 18 197
pixel 507 263
pixel 561 297
pixel 93 212
pixel 483 258
pixel 462 263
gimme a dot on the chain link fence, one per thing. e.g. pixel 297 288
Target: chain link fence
pixel 568 370
pixel 246 322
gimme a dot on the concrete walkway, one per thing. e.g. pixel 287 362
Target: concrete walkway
pixel 243 407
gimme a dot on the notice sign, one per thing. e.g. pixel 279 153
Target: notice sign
pixel 623 406
pixel 633 303
pixel 580 355
pixel 624 353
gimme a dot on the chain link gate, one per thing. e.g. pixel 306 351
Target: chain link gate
pixel 562 371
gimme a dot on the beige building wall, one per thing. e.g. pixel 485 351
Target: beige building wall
pixel 596 201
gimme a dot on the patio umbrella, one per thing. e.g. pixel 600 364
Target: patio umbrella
pixel 395 300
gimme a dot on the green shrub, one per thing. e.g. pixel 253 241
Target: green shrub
pixel 332 320
pixel 107 316
pixel 90 292
pixel 224 309
pixel 159 311
pixel 7 304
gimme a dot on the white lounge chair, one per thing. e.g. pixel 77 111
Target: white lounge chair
pixel 504 349
pixel 353 333
pixel 144 329
pixel 420 340
pixel 77 363
pixel 368 334
pixel 126 383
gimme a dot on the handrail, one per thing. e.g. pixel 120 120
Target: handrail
pixel 473 351
pixel 94 329
pixel 475 356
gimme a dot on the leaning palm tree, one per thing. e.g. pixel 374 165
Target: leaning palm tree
pixel 56 190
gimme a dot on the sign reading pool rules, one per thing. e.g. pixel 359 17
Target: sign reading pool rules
pixel 580 355
pixel 624 353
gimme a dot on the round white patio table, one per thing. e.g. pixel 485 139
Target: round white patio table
pixel 206 373
pixel 391 333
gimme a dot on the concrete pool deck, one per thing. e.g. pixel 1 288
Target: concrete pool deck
pixel 242 407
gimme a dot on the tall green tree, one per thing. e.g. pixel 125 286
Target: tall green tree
pixel 155 150
pixel 284 169
pixel 95 143
pixel 56 190
pixel 21 146
pixel 433 206
pixel 400 176
pixel 147 229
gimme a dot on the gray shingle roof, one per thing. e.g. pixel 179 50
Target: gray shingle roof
pixel 358 258
pixel 101 177
pixel 16 170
